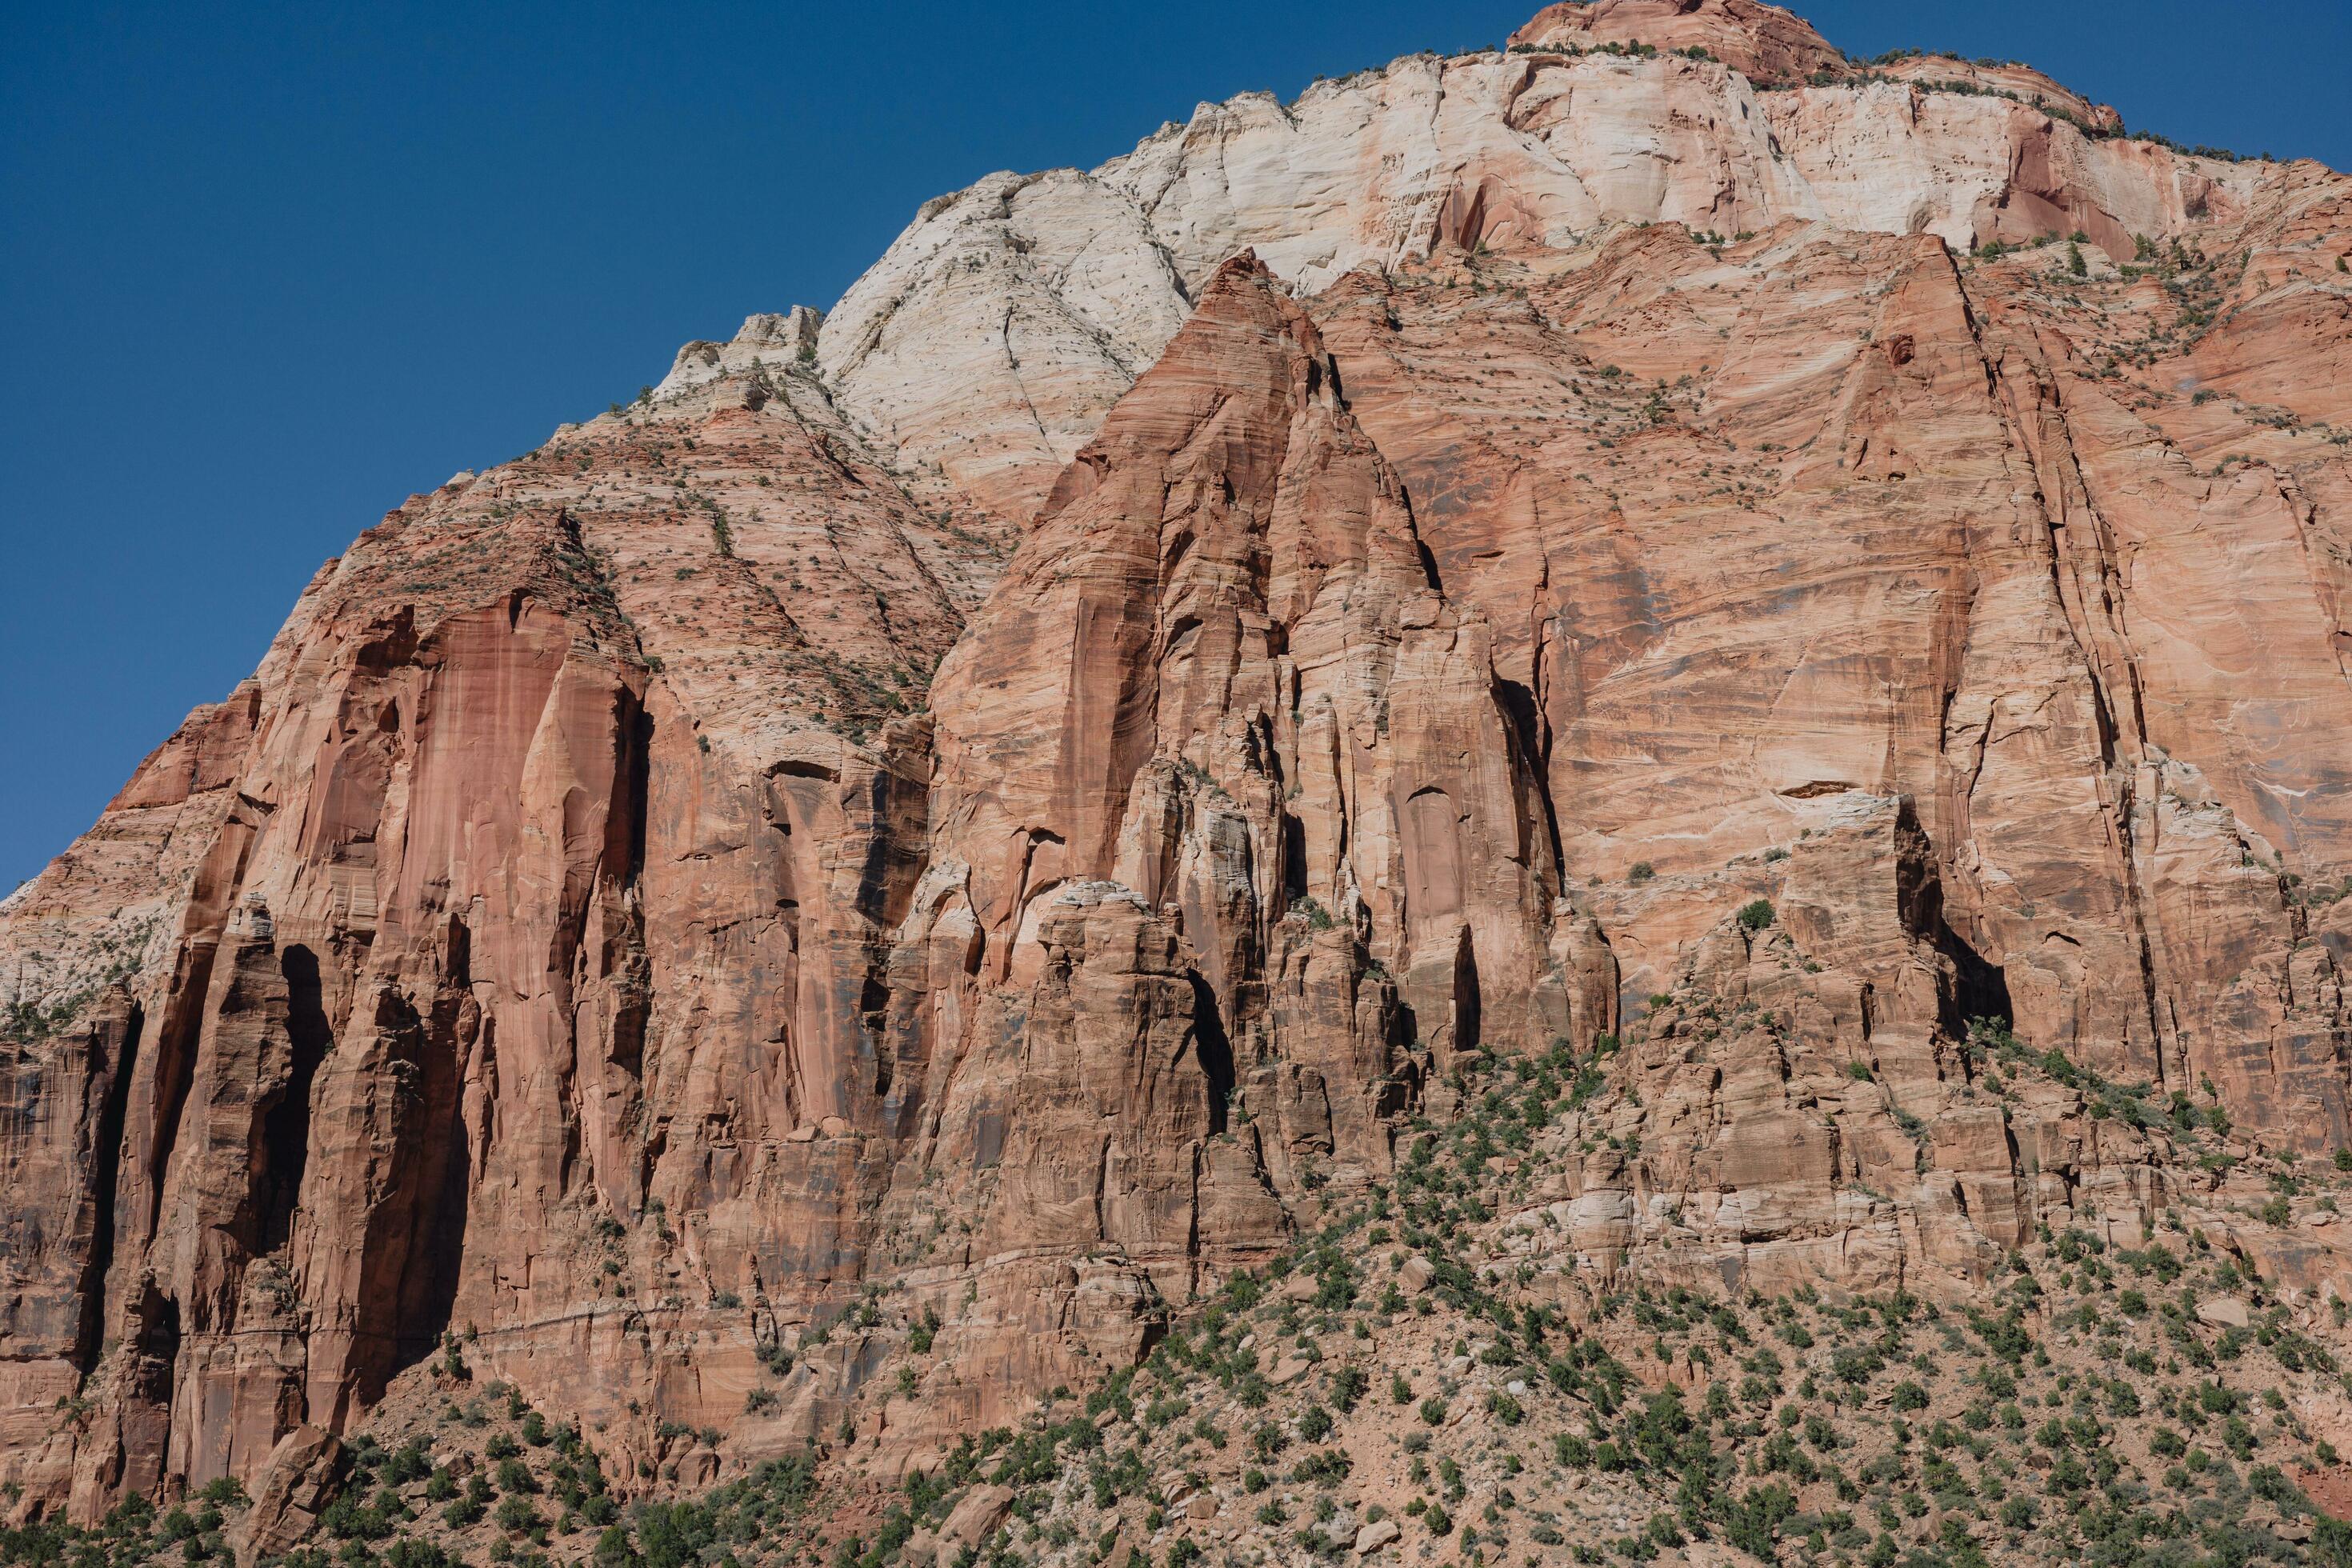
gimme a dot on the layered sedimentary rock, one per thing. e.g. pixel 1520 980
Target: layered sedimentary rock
pixel 998 799
pixel 1208 884
pixel 1762 42
pixel 525 898
pixel 991 336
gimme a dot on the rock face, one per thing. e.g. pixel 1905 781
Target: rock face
pixel 1764 43
pixel 290 1493
pixel 990 338
pixel 1004 793
pixel 1206 857
pixel 575 805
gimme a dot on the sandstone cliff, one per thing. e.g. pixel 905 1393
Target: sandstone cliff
pixel 1008 797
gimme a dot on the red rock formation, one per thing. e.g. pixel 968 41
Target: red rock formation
pixel 660 893
pixel 542 868
pixel 1761 41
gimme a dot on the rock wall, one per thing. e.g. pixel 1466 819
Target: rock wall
pixel 1014 793
pixel 542 879
pixel 990 338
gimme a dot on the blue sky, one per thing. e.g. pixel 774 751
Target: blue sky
pixel 263 271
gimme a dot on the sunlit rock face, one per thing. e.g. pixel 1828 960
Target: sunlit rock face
pixel 1006 790
pixel 992 337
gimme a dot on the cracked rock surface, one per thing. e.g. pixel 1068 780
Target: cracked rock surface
pixel 1820 591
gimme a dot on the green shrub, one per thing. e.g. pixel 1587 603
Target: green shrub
pixel 516 1515
pixel 1348 1385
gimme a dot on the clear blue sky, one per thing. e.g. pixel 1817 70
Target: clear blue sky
pixel 266 270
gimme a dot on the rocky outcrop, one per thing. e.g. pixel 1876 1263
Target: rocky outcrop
pixel 1774 48
pixel 1233 842
pixel 992 337
pixel 1752 443
pixel 290 1492
pixel 542 868
pixel 986 811
pixel 1763 43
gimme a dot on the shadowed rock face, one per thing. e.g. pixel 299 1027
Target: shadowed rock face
pixel 1005 794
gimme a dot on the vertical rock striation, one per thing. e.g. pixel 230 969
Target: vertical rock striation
pixel 1011 793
